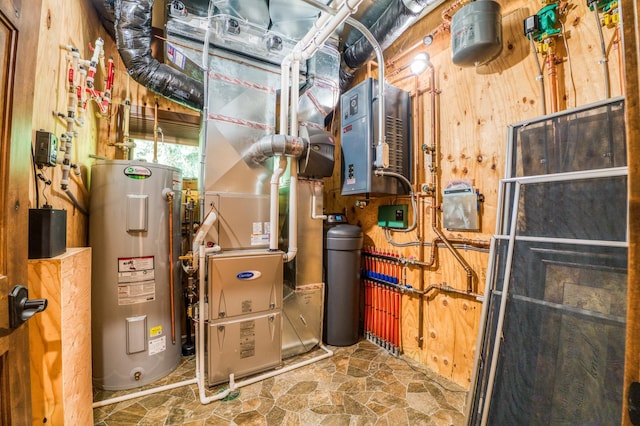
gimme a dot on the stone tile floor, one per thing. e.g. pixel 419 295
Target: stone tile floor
pixel 361 384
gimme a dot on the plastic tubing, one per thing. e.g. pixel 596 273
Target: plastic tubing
pixel 366 305
pixel 209 220
pixel 293 167
pixel 396 318
pixel 146 392
pixel 603 49
pixel 540 76
pixel 387 297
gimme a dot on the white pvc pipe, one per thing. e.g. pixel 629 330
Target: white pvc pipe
pixel 280 164
pixel 235 385
pixel 205 111
pixel 285 75
pixel 203 230
pixel 293 166
pixel 318 25
pixel 146 392
pixel 293 212
pixel 345 10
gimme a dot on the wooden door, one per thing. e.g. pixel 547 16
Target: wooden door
pixel 19 21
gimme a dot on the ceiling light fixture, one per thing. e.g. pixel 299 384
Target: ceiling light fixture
pixel 420 63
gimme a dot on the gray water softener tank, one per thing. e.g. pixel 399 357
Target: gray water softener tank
pixel 342 301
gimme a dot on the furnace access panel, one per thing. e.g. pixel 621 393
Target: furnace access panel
pixel 359 123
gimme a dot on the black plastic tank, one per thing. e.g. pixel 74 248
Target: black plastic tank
pixel 343 246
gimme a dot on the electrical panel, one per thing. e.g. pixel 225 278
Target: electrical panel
pixel 359 124
pixel 46 150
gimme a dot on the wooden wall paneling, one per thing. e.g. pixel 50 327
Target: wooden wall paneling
pixel 60 339
pixel 630 17
pixel 440 317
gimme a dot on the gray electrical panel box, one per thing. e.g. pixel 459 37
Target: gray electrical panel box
pixel 359 118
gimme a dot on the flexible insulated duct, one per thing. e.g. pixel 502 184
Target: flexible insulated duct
pixel 390 25
pixel 133 39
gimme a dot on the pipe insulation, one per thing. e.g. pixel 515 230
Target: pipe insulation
pixel 390 25
pixel 133 39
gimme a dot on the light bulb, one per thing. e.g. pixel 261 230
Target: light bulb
pixel 420 63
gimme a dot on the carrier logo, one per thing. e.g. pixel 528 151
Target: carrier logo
pixel 249 275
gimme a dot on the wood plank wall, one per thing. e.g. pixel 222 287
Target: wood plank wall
pixel 473 109
pixel 631 15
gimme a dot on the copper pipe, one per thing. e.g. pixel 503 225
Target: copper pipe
pixel 171 283
pixel 618 40
pixel 448 289
pixel 415 101
pixel 435 193
pixel 553 80
pixel 155 132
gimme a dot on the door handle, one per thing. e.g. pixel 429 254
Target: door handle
pixel 21 308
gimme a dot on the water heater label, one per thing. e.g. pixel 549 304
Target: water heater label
pixel 157 345
pixel 155 331
pixel 130 264
pixel 137 172
pixel 136 280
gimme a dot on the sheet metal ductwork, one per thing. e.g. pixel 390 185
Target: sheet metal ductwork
pixel 133 39
pixel 129 21
pixel 393 21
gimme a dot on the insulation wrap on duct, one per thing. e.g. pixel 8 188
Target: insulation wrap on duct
pixel 133 39
pixel 392 22
pixel 272 145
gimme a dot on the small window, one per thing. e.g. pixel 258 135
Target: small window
pixel 184 157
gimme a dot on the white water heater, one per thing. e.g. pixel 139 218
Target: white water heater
pixel 135 325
